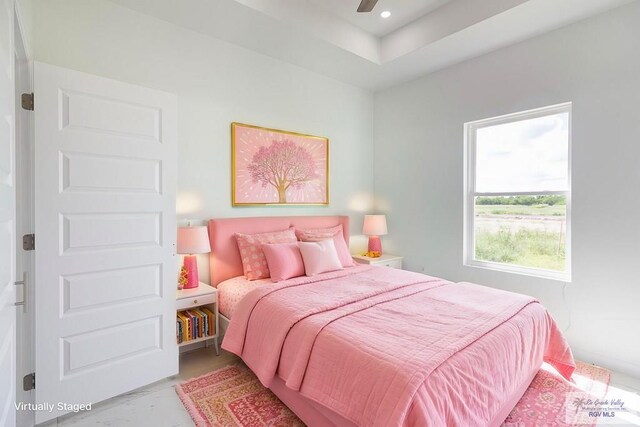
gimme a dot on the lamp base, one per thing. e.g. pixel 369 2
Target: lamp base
pixel 374 249
pixel 191 265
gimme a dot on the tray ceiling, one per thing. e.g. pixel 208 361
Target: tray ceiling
pixel 402 13
pixel 331 38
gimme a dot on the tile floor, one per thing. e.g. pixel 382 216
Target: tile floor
pixel 158 405
pixel 627 389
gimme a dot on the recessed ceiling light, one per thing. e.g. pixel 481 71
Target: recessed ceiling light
pixel 385 14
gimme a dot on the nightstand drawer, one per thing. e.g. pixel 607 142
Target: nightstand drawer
pixel 195 301
pixel 385 260
pixel 396 263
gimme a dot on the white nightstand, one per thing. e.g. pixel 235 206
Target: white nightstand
pixel 203 295
pixel 386 260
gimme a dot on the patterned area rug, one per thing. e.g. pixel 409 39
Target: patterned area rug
pixel 233 396
pixel 548 402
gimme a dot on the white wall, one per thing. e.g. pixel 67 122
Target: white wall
pixel 418 143
pixel 419 171
pixel 216 83
pixel 24 10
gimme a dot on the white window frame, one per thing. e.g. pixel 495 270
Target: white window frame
pixel 470 132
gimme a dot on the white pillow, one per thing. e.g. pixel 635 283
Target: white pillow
pixel 319 257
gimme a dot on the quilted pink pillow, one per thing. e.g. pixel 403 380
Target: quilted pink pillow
pixel 319 257
pixel 284 260
pixel 335 233
pixel 254 264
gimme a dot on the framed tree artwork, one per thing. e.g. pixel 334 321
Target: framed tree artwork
pixel 276 167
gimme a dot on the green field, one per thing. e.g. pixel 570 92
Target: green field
pixel 554 210
pixel 505 235
pixel 529 248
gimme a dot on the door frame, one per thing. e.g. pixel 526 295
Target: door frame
pixel 25 345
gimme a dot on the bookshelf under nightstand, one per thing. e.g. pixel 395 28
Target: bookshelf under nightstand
pixel 202 296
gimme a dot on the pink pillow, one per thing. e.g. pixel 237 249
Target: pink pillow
pixel 319 257
pixel 254 264
pixel 284 260
pixel 336 233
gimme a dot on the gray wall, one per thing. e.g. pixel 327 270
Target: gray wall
pixel 418 159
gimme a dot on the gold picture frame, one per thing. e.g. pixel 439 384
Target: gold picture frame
pixel 255 183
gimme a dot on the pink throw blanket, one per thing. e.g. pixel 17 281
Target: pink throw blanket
pixel 366 341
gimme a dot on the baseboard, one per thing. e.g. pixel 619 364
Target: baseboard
pixel 195 345
pixel 607 361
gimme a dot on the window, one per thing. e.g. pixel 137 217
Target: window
pixel 518 193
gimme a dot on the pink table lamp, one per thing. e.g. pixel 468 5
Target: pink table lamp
pixel 374 226
pixel 192 240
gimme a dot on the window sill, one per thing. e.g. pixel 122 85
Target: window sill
pixel 524 271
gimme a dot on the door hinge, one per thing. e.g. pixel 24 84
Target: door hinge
pixel 29 382
pixel 29 242
pixel 27 101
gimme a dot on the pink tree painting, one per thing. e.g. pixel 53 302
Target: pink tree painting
pixel 278 167
pixel 282 165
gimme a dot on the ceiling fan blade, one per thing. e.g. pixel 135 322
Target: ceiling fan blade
pixel 367 5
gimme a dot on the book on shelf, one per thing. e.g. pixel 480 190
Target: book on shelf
pixel 211 320
pixel 195 323
pixel 186 334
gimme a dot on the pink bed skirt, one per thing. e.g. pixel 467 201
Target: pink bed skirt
pixel 311 413
pixel 315 415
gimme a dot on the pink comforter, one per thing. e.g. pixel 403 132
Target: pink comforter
pixel 384 347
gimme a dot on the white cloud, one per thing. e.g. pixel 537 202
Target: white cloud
pixel 528 155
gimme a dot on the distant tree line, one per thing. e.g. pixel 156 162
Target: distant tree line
pixel 522 200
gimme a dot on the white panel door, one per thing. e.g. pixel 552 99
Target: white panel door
pixel 7 219
pixel 105 183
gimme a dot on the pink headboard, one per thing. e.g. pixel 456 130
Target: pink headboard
pixel 224 261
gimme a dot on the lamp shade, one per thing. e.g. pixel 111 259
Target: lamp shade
pixel 193 240
pixel 374 225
